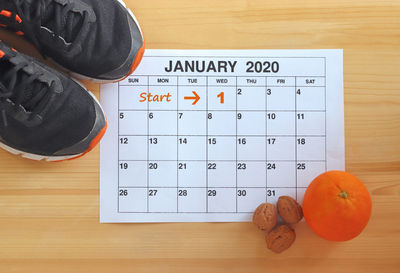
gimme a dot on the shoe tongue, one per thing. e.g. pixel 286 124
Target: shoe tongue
pixel 28 92
pixel 49 21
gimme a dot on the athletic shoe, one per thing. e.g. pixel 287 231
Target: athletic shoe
pixel 43 114
pixel 96 40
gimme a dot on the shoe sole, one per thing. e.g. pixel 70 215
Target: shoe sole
pixel 35 157
pixel 135 63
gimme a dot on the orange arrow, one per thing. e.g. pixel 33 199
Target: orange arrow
pixel 196 98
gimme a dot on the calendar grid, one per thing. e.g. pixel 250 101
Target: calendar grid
pixel 118 139
pixel 248 110
pixel 207 172
pixel 148 148
pixel 236 144
pixel 173 135
pixel 187 187
pixel 155 137
pixel 295 130
pixel 247 160
pixel 326 121
pixel 266 135
pixel 177 148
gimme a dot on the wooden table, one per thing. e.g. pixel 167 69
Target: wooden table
pixel 49 213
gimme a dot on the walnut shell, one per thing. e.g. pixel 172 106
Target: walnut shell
pixel 280 238
pixel 265 217
pixel 290 211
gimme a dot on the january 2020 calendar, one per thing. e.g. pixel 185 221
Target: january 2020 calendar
pixel 208 135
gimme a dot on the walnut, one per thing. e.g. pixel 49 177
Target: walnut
pixel 265 217
pixel 289 210
pixel 280 238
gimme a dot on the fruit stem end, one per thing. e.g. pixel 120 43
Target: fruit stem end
pixel 343 194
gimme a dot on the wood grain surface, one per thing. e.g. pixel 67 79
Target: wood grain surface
pixel 49 213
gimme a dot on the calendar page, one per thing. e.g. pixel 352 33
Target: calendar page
pixel 208 135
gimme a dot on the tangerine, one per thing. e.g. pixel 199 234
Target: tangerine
pixel 337 206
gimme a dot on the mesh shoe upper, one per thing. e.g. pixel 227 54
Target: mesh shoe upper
pixel 89 37
pixel 46 115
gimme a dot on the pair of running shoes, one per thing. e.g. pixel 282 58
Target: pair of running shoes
pixel 45 115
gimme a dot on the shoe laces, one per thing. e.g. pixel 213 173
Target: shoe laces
pixel 60 19
pixel 23 89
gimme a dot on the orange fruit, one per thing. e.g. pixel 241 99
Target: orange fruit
pixel 337 206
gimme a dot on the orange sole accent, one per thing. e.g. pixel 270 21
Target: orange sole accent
pixel 92 145
pixel 2 54
pixel 6 13
pixel 136 62
pixel 19 20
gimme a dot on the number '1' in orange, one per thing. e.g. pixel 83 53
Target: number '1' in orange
pixel 222 97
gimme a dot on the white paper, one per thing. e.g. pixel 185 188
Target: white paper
pixel 267 123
